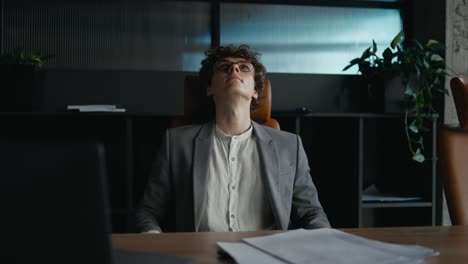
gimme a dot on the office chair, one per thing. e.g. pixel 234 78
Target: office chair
pixel 453 155
pixel 199 108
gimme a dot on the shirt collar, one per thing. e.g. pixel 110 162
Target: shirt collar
pixel 224 137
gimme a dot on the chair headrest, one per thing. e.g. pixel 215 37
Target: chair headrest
pixel 263 111
pixel 197 106
pixel 459 87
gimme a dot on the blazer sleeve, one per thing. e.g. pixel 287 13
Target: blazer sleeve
pixel 156 198
pixel 307 212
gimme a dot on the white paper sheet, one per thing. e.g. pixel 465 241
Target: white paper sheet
pixel 325 246
pixel 242 253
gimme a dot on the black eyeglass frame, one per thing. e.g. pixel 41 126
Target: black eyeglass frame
pixel 225 65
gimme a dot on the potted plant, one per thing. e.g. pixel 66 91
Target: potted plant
pixel 21 77
pixel 422 71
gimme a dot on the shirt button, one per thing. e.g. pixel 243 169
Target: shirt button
pixel 233 159
pixel 233 187
pixel 232 216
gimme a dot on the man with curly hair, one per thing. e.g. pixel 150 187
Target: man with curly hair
pixel 230 174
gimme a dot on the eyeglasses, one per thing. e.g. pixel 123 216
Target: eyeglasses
pixel 225 66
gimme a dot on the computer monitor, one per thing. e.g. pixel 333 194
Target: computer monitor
pixel 54 202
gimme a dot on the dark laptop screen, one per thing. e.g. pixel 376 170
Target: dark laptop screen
pixel 54 203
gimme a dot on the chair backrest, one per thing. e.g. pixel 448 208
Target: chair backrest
pixel 453 150
pixel 459 87
pixel 198 107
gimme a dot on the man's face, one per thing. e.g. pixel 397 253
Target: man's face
pixel 233 79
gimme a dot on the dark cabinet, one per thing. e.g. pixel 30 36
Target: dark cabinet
pixel 130 143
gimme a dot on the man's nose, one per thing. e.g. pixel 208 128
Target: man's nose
pixel 234 68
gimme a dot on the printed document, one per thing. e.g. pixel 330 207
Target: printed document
pixel 321 246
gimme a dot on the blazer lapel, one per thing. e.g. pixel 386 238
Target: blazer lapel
pixel 202 150
pixel 270 165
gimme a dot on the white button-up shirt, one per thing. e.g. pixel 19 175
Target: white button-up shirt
pixel 236 198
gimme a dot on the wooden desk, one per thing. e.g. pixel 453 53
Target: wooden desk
pixel 451 242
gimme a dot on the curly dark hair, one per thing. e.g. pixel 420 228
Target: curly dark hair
pixel 243 51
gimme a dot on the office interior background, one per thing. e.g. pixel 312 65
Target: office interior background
pixel 136 53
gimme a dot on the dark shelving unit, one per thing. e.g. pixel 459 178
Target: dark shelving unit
pixel 350 151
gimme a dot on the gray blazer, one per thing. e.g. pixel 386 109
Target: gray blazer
pixel 177 185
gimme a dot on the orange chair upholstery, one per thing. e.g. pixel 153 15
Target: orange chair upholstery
pixel 453 155
pixel 199 108
pixel 459 87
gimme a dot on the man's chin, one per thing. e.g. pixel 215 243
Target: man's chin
pixel 235 86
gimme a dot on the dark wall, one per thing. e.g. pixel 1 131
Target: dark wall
pixel 159 92
pixel 136 91
pixel 426 19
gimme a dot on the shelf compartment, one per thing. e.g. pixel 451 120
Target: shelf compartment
pixel 396 204
pixel 396 216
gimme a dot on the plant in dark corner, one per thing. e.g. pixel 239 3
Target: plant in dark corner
pixel 422 70
pixel 19 56
pixel 21 75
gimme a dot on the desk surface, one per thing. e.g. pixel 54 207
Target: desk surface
pixel 451 242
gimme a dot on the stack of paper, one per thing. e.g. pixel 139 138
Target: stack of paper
pixel 322 246
pixel 371 194
pixel 95 108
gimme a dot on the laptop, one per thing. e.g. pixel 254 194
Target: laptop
pixel 54 205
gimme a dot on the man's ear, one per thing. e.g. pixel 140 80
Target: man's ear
pixel 209 91
pixel 255 95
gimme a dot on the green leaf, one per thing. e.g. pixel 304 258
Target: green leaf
pixel 435 45
pixel 446 91
pixel 374 47
pixel 387 56
pixel 418 156
pixel 420 142
pixel 347 67
pixel 397 39
pixel 418 71
pixel 431 42
pixel 355 61
pixel 19 56
pixel 413 127
pixel 436 57
pixel 426 64
pixel 366 54
pixel 352 63
pixel 418 45
pixel 409 91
